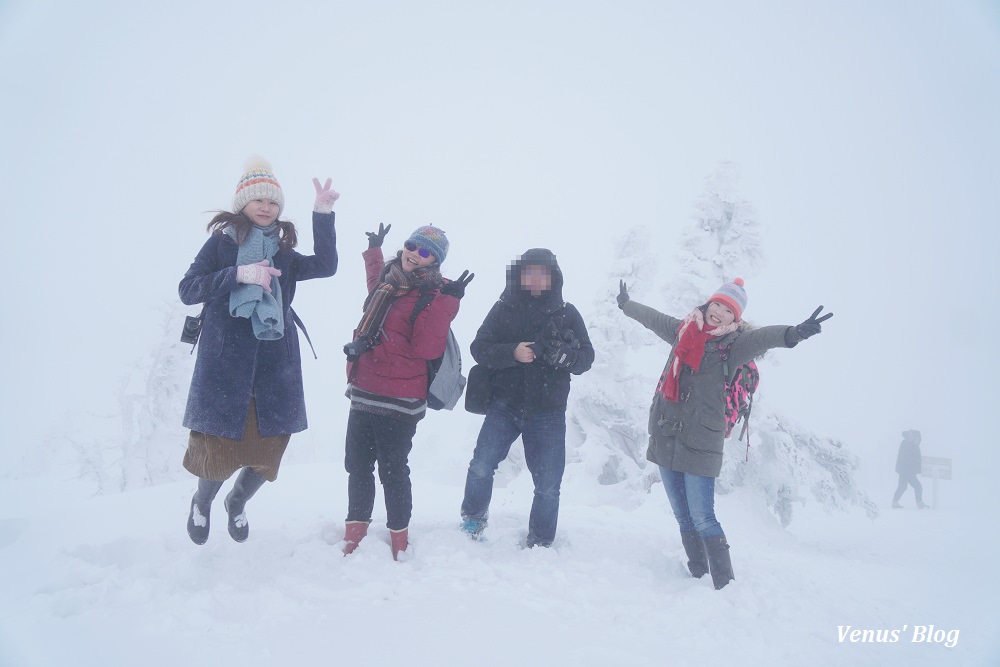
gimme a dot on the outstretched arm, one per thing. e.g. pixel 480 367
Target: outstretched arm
pixel 662 325
pixel 810 327
pixel 323 262
pixel 754 343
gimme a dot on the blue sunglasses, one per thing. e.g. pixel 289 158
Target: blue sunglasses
pixel 412 247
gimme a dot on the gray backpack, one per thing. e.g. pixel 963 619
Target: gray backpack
pixel 445 382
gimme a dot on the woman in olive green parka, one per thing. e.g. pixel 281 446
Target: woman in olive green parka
pixel 687 420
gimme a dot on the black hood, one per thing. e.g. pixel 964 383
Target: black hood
pixel 514 293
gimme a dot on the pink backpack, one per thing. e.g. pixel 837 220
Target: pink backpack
pixel 739 394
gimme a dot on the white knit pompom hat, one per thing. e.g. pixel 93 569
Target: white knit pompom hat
pixel 257 182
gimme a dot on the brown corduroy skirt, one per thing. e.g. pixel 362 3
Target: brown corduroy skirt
pixel 216 458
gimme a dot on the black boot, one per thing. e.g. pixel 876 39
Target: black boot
pixel 719 563
pixel 247 483
pixel 695 549
pixel 201 509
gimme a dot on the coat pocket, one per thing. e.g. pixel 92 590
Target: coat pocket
pixel 211 342
pixel 711 422
pixel 707 433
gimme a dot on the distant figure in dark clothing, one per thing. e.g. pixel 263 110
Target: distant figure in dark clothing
pixel 908 465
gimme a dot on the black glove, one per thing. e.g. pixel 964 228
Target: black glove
pixel 622 294
pixel 456 288
pixel 559 355
pixel 570 338
pixel 811 326
pixel 558 348
pixel 375 239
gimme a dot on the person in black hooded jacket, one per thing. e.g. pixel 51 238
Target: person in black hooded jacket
pixel 531 341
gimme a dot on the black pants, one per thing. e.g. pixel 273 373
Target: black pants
pixel 387 441
pixel 911 479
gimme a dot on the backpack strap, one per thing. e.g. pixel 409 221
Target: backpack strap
pixel 423 301
pixel 301 325
pixel 724 351
pixel 746 425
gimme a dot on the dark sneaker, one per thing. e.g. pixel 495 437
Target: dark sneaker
pixel 239 527
pixel 198 522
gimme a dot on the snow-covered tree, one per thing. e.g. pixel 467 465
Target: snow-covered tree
pixel 788 464
pixel 137 440
pixel 723 242
pixel 609 406
pixel 152 398
pixel 142 442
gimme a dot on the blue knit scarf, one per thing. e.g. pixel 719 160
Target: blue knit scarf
pixel 263 309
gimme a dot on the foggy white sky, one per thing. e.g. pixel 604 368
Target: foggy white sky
pixel 866 135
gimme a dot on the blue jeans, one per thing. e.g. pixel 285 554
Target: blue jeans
pixel 544 438
pixel 692 498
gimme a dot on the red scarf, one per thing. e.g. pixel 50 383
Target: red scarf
pixel 690 350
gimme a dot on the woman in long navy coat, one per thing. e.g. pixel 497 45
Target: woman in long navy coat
pixel 246 396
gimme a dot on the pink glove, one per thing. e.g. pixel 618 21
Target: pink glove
pixel 325 196
pixel 259 273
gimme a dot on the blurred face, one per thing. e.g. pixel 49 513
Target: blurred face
pixel 718 315
pixel 262 212
pixel 536 279
pixel 415 257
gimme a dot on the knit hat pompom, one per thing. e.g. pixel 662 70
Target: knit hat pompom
pixel 257 182
pixel 433 240
pixel 732 296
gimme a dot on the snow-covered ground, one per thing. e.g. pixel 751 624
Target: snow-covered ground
pixel 113 580
pixel 869 138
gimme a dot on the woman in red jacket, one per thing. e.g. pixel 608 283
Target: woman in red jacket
pixel 387 374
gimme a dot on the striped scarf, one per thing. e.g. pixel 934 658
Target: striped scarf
pixel 393 283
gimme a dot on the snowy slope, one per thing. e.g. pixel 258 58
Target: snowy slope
pixel 869 138
pixel 98 569
pixel 113 580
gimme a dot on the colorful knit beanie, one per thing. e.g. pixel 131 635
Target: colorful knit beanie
pixel 732 296
pixel 257 182
pixel 433 240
